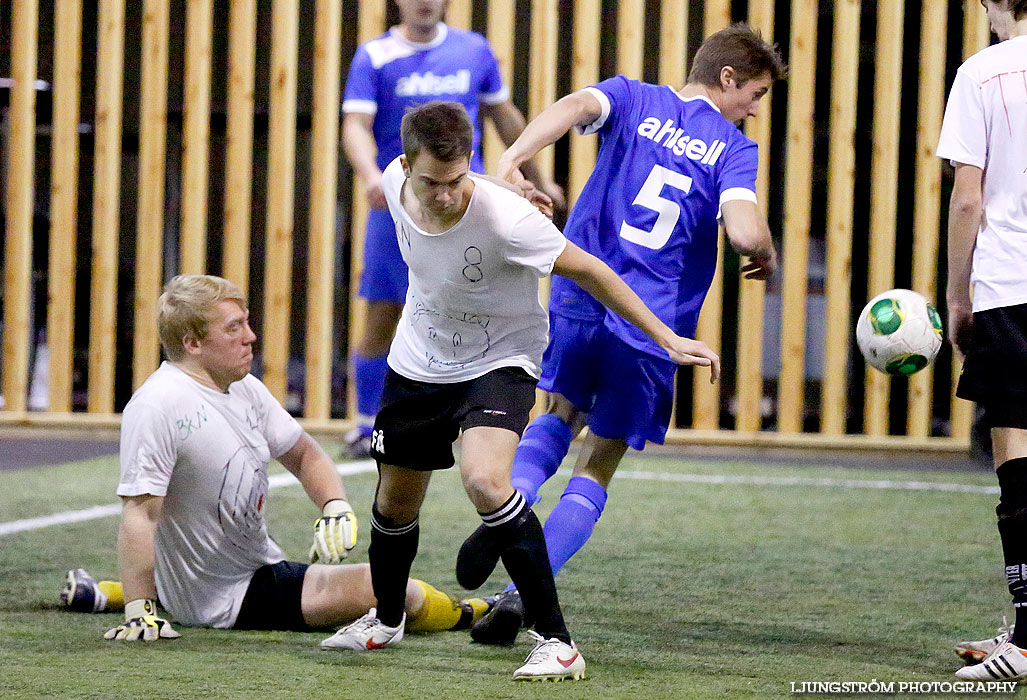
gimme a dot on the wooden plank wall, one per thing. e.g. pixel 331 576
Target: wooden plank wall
pixel 732 412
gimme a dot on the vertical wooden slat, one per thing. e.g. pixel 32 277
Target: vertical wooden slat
pixel 927 193
pixel 280 180
pixel 18 236
pixel 239 149
pixel 630 37
pixel 751 293
pixel 501 38
pixel 798 175
pixel 673 40
pixel 976 36
pixel 196 136
pixel 60 312
pixel 584 72
pixel 841 180
pixel 153 98
pixel 324 164
pixel 371 21
pixel 459 14
pixel 883 178
pixel 717 16
pixel 106 183
pixel 706 396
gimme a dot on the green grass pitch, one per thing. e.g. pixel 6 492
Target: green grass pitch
pixel 686 590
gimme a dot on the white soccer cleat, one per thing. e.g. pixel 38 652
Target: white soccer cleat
pixel 366 634
pixel 1006 663
pixel 974 652
pixel 553 660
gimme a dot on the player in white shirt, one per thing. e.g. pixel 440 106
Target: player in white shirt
pixel 984 135
pixel 466 358
pixel 196 441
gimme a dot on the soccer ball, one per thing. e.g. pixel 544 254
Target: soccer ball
pixel 899 332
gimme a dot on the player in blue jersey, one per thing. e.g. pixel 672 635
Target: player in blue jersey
pixel 670 165
pixel 419 60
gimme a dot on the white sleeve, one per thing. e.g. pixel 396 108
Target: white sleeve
pixel 963 136
pixel 534 241
pixel 280 429
pixel 392 185
pixel 604 114
pixel 149 451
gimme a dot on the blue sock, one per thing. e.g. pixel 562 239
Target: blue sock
pixel 369 375
pixel 543 446
pixel 571 523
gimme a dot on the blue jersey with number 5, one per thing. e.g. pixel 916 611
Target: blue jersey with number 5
pixel 650 208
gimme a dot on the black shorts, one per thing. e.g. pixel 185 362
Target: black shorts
pixel 418 421
pixel 273 599
pixel 995 372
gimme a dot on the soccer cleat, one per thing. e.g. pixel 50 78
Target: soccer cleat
pixel 477 558
pixel 553 660
pixel 357 443
pixel 1006 662
pixel 81 593
pixel 502 624
pixel 974 652
pixel 472 610
pixel 366 634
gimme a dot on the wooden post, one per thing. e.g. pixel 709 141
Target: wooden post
pixel 60 311
pixel 630 37
pixel 718 16
pixel 153 101
pixel 673 41
pixel 751 293
pixel 584 72
pixel 239 150
pixel 324 165
pixel 280 179
pixel 196 137
pixel 841 181
pixel 798 175
pixel 371 23
pixel 459 14
pixel 927 193
pixel 106 183
pixel 18 237
pixel 501 38
pixel 883 178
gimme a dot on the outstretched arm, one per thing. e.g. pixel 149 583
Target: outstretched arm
pixel 596 278
pixel 509 123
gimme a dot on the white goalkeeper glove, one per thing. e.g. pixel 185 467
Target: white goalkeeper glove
pixel 141 622
pixel 335 533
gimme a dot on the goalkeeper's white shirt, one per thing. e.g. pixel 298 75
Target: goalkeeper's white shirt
pixel 986 126
pixel 206 453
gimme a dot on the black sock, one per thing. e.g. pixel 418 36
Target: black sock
pixel 1012 528
pixel 392 551
pixel 523 550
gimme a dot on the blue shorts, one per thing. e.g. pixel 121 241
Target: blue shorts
pixel 628 394
pixel 385 274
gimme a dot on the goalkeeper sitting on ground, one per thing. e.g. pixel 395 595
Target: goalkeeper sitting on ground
pixel 196 440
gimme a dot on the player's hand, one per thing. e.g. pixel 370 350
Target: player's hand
pixel 685 351
pixel 760 267
pixel 142 622
pixel 556 196
pixel 961 323
pixel 542 201
pixel 375 194
pixel 510 172
pixel 335 533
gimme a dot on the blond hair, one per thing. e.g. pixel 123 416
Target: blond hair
pixel 186 306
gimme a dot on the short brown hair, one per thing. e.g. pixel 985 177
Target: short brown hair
pixel 186 306
pixel 1018 8
pixel 441 128
pixel 741 47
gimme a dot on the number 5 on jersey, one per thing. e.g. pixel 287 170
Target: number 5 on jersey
pixel 668 210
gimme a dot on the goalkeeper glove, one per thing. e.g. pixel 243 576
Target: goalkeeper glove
pixel 335 533
pixel 141 622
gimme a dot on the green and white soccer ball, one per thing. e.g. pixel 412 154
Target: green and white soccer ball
pixel 899 332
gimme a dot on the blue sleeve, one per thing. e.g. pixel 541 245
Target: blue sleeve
pixel 362 81
pixel 492 90
pixel 738 167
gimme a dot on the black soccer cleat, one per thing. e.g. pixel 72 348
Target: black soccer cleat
pixel 477 559
pixel 502 623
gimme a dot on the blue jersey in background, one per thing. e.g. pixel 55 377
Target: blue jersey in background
pixel 650 207
pixel 390 74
